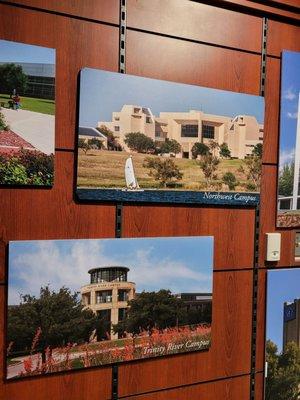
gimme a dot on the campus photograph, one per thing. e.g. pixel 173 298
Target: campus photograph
pixel 75 304
pixel 137 134
pixel 27 114
pixel 289 150
pixel 283 335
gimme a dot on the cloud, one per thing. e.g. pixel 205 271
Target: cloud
pixel 289 94
pixel 292 115
pixel 66 263
pixel 286 157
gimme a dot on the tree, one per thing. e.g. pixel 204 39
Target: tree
pixel 209 165
pixel 230 180
pixel 224 151
pixel 112 143
pixel 199 149
pixel 84 145
pixel 286 180
pixel 59 316
pixel 283 377
pixel 12 78
pixel 214 146
pixel 252 169
pixel 170 146
pixel 139 142
pixel 164 171
pixel 95 143
pixel 257 150
pixel 152 310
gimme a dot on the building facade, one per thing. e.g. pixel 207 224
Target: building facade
pixel 108 294
pixel 41 80
pixel 241 133
pixel 291 322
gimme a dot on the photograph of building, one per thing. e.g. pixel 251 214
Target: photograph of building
pixel 108 294
pixel 27 114
pixel 289 150
pixel 242 133
pixel 283 334
pixel 81 303
pixel 166 137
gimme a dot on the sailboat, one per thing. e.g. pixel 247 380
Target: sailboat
pixel 131 181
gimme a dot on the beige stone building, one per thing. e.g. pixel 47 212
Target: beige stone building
pixel 108 294
pixel 291 322
pixel 241 133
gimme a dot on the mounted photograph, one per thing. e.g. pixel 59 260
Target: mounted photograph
pixel 288 214
pixel 27 114
pixel 283 335
pixel 75 304
pixel 148 140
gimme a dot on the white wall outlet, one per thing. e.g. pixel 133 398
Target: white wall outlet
pixel 273 246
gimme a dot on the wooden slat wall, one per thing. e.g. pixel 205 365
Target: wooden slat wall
pixel 216 46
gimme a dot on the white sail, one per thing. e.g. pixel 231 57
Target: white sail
pixel 130 178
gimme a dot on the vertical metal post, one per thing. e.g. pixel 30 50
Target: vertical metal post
pixel 119 206
pixel 254 304
pixel 263 56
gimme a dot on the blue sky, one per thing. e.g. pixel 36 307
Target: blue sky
pixel 290 88
pixel 20 52
pixel 283 286
pixel 102 92
pixel 178 264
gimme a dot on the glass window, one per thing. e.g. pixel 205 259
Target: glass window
pixel 189 131
pixel 104 296
pixel 208 131
pixel 117 128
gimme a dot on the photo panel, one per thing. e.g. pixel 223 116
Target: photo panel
pixel 27 114
pixel 283 334
pixel 289 148
pixel 75 304
pixel 148 140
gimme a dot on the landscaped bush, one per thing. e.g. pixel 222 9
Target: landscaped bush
pixel 27 168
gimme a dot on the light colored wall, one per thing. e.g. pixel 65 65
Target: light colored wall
pixel 246 129
pixel 114 305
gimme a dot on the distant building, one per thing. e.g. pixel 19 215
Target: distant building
pixel 195 301
pixel 41 80
pixel 108 294
pixel 86 133
pixel 291 322
pixel 241 133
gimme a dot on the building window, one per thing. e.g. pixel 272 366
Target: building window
pixel 208 131
pixel 104 296
pixel 136 110
pixel 123 295
pixel 117 128
pixel 189 131
pixel 117 118
pixel 122 314
pixel 148 120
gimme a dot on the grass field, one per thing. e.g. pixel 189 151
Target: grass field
pixel 102 168
pixel 43 106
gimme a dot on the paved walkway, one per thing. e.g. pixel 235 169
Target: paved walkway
pixel 36 128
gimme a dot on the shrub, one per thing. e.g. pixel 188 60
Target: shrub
pixel 139 142
pixel 230 180
pixel 27 168
pixel 164 171
pixel 199 149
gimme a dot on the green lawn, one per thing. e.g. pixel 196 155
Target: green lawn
pixel 102 168
pixel 43 106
